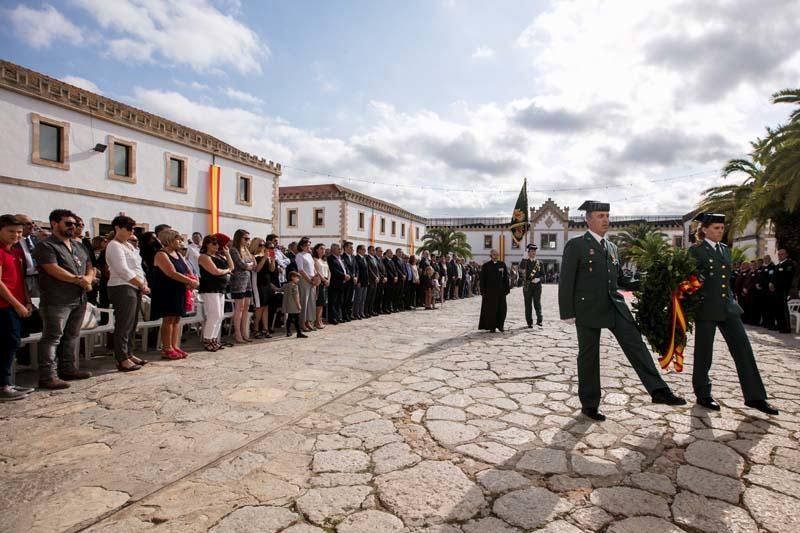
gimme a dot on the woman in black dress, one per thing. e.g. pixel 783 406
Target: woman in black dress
pixel 265 263
pixel 169 285
pixel 215 265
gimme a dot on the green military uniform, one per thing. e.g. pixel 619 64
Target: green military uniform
pixel 532 289
pixel 719 310
pixel 588 292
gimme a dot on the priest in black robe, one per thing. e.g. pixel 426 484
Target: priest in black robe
pixel 494 288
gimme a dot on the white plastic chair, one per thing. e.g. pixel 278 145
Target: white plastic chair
pixel 794 314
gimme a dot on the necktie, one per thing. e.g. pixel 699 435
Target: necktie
pixel 603 244
pixel 717 248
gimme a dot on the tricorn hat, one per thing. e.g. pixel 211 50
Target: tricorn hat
pixel 594 205
pixel 710 218
pixel 531 247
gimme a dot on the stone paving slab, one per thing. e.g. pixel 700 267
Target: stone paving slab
pixel 480 433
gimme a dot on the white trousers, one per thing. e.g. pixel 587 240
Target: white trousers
pixel 214 307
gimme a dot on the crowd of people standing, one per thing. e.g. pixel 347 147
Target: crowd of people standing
pixel 157 275
pixel 762 287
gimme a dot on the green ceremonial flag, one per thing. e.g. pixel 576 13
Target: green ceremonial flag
pixel 519 219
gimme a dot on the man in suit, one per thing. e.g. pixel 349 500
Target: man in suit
pixel 532 271
pixel 350 285
pixel 718 309
pixel 452 278
pixel 361 274
pixel 339 277
pixel 588 297
pixel 402 279
pixel 784 274
pixel 380 296
pixel 392 278
pixel 27 245
pixel 374 280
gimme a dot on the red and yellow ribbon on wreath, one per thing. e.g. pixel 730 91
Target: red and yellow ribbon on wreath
pixel 677 343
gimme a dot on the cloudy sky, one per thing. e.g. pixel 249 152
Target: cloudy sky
pixel 443 106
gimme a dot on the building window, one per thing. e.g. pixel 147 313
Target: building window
pixel 417 233
pixel 402 230
pixel 487 241
pixel 291 218
pixel 319 217
pixel 677 241
pixel 176 173
pixel 549 241
pixel 361 220
pixel 394 228
pixel 383 225
pixel 121 160
pixel 244 189
pixel 50 145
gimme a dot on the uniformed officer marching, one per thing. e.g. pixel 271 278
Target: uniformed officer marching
pixel 719 310
pixel 532 270
pixel 588 295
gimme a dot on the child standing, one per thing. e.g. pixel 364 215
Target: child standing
pixel 291 305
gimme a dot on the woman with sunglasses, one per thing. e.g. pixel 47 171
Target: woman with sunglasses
pixel 126 285
pixel 265 264
pixel 215 264
pixel 241 284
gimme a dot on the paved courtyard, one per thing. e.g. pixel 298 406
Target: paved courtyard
pixel 413 422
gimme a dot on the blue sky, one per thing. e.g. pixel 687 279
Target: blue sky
pixel 443 106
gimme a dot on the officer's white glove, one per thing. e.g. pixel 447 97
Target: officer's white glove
pixel 568 320
pixel 537 280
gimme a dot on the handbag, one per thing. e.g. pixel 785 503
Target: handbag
pixel 31 324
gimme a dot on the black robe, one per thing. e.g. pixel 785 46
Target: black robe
pixel 494 288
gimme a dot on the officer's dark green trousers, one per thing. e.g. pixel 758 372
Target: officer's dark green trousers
pixel 741 351
pixel 533 295
pixel 630 340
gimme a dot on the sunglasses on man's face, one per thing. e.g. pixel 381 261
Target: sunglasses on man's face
pixel 71 224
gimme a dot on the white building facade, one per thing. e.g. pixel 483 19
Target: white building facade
pixel 331 213
pixel 152 169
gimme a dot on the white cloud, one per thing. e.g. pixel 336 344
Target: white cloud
pixel 242 96
pixel 190 32
pixel 483 52
pixel 40 27
pixel 612 117
pixel 83 83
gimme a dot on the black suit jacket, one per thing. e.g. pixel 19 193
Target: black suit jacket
pixel 374 270
pixel 337 272
pixel 381 267
pixel 362 271
pixel 398 266
pixel 452 270
pixel 391 270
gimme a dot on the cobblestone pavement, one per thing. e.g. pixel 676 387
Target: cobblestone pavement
pixel 412 422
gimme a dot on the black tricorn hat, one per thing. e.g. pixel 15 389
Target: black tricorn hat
pixel 710 218
pixel 531 247
pixel 594 205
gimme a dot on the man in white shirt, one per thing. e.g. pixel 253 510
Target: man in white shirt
pixel 193 252
pixel 281 261
pixel 308 282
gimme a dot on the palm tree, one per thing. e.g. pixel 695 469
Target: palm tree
pixel 634 236
pixel 739 253
pixel 770 192
pixel 647 250
pixel 443 241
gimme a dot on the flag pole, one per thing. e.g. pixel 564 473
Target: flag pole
pixel 528 214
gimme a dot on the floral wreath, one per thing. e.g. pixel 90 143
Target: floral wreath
pixel 666 303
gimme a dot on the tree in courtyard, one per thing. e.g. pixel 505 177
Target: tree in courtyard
pixel 444 241
pixel 635 237
pixel 770 191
